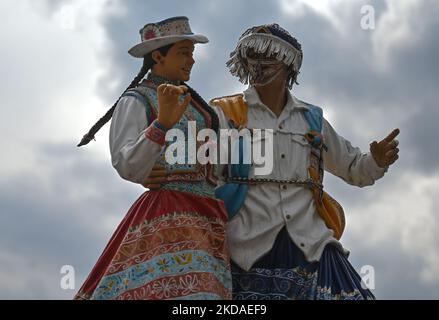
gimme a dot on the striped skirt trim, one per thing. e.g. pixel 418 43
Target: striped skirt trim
pixel 171 245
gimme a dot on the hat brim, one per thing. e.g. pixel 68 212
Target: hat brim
pixel 142 49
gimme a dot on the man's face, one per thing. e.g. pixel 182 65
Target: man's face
pixel 178 63
pixel 263 70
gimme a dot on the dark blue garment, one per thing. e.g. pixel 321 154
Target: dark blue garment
pixel 285 274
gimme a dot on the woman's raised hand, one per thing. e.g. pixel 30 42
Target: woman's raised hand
pixel 170 108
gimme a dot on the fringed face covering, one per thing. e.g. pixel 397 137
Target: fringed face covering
pixel 273 42
pixel 262 71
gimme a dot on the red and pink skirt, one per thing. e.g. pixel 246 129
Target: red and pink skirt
pixel 170 245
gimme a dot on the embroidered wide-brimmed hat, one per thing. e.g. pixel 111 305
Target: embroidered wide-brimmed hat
pixel 270 40
pixel 163 33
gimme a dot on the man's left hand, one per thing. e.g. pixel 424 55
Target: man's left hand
pixel 386 152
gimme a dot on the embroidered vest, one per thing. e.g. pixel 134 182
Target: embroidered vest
pixel 196 178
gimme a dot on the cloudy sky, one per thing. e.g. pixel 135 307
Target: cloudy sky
pixel 63 63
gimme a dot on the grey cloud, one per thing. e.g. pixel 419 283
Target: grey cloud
pixel 48 7
pixel 62 221
pixel 396 272
pixel 341 70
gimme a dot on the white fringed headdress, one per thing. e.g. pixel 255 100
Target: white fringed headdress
pixel 272 45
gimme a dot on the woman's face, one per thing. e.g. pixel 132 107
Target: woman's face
pixel 178 63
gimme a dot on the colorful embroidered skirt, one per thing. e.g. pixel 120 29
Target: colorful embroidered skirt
pixel 284 274
pixel 170 245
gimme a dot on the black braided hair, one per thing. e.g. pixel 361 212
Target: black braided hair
pixel 206 107
pixel 148 63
